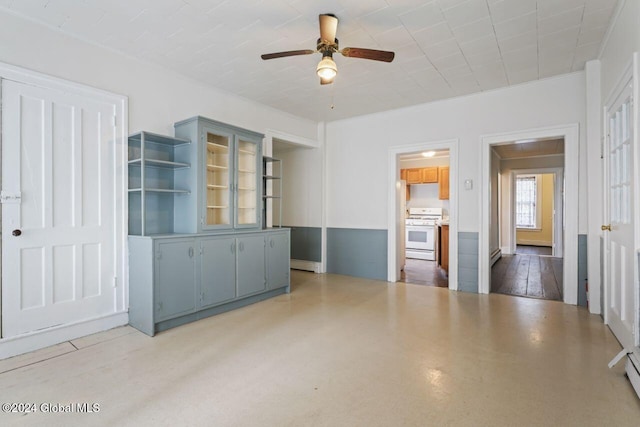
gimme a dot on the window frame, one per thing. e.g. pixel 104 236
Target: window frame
pixel 538 202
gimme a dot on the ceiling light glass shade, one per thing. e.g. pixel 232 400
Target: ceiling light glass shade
pixel 428 154
pixel 327 69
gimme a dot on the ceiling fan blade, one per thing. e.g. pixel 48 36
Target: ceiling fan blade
pixel 376 55
pixel 325 81
pixel 328 28
pixel 287 53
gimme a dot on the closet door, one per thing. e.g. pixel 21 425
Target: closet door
pixel 59 227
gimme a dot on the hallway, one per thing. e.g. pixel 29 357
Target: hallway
pixel 529 275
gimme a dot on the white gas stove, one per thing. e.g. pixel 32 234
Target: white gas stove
pixel 420 231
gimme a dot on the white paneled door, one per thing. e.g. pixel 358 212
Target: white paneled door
pixel 58 222
pixel 620 277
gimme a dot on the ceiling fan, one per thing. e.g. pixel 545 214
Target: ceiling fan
pixel 327 46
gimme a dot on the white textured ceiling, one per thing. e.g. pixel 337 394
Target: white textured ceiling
pixel 444 48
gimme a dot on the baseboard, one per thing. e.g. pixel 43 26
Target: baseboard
pixel 495 256
pixel 298 264
pixel 506 250
pixel 44 338
pixel 534 243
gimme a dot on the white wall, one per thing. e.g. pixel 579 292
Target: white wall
pixel 623 40
pixel 301 185
pixel 357 149
pixel 158 97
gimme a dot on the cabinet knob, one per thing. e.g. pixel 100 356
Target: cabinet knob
pixel 271 243
pixel 16 232
pixel 606 227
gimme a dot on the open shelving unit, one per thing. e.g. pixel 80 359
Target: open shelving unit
pixel 272 190
pixel 158 181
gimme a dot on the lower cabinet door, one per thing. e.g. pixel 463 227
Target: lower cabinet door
pixel 277 260
pixel 251 264
pixel 175 278
pixel 217 270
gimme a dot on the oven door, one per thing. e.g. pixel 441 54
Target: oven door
pixel 420 237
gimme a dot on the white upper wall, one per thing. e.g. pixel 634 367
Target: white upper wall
pixel 301 186
pixel 358 148
pixel 623 40
pixel 157 97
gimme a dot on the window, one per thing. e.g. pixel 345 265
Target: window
pixel 526 201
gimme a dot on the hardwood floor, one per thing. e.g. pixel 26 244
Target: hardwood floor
pixel 422 272
pixel 528 275
pixel 533 250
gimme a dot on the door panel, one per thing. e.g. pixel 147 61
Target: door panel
pixel 58 194
pixel 619 294
pixel 217 270
pixel 278 265
pixel 176 279
pixel 251 265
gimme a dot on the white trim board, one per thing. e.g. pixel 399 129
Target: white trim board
pixel 570 133
pixel 393 225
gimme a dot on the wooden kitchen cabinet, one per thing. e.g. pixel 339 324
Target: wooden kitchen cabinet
pixel 443 247
pixel 430 175
pixel 403 174
pixel 443 193
pixel 414 176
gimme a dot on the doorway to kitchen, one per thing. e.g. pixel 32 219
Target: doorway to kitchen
pixel 425 207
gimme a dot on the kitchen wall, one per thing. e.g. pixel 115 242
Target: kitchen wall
pixel 426 195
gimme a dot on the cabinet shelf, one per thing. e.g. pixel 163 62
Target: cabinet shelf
pixel 159 164
pixel 215 148
pixel 246 171
pixel 217 207
pixel 270 197
pixel 158 190
pixel 246 207
pixel 217 187
pixel 270 177
pixel 246 189
pixel 216 168
pixel 154 138
pixel 240 150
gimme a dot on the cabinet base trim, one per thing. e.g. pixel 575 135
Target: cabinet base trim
pixel 179 321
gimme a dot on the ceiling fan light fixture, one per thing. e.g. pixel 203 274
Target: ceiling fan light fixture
pixel 327 68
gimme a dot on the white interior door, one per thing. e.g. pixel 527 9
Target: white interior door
pixel 619 270
pixel 58 222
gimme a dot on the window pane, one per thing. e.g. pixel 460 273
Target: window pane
pixel 526 202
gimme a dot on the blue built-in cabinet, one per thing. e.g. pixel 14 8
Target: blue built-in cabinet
pixel 196 243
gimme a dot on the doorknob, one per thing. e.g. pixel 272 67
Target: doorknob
pixel 16 232
pixel 606 227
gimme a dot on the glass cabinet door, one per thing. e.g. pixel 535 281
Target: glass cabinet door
pixel 247 183
pixel 218 192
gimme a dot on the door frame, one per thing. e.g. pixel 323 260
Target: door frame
pixel 394 220
pixel 571 136
pixel 557 241
pixel 39 339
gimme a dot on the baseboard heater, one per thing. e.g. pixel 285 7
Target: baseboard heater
pixel 495 256
pixel 633 372
pixel 298 264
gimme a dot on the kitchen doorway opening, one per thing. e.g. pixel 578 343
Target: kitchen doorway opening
pixel 425 177
pixel 422 219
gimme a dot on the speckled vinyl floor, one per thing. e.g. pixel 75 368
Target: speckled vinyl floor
pixel 340 351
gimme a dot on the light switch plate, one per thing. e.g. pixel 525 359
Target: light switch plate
pixel 468 184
